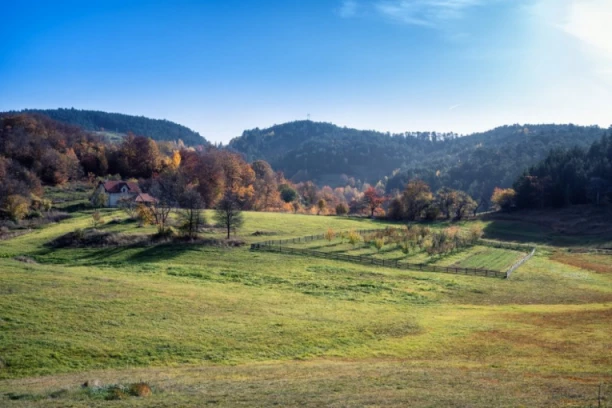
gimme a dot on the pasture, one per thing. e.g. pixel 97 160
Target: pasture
pixel 222 326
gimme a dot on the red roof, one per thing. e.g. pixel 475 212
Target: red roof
pixel 115 186
pixel 145 198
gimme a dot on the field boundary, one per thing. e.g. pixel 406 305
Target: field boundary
pixel 278 246
pixel 519 263
pixel 365 260
pixel 505 245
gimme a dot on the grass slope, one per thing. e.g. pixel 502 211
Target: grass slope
pixel 229 327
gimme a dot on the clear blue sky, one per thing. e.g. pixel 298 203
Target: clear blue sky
pixel 220 67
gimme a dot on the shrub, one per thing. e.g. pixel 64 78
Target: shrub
pixel 97 219
pixel 330 234
pixel 17 206
pixel 476 232
pixel 144 215
pixel 379 243
pixel 140 389
pixel 354 238
pixel 99 198
pixel 341 209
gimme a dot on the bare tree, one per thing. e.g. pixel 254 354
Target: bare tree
pixel 191 215
pixel 166 188
pixel 128 206
pixel 228 213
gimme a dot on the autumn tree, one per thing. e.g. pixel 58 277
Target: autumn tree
pixel 17 206
pixel 464 205
pixel 144 215
pixel 373 199
pixel 503 198
pixel 228 213
pixel 321 204
pixel 137 156
pixel 446 200
pixel 308 192
pixel 396 209
pixel 341 209
pixel 266 188
pixel 99 198
pixel 166 188
pixel 296 206
pixel 416 198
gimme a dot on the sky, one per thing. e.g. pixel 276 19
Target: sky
pixel 220 67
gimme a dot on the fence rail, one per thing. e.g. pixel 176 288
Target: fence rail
pixel 279 246
pixel 310 238
pixel 519 263
pixel 504 245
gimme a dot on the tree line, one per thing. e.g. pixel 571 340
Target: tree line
pixel 565 177
pixel 36 151
pixel 156 129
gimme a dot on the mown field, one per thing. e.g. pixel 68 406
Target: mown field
pixel 219 326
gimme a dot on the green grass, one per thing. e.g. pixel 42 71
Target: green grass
pixel 478 256
pixel 231 327
pixel 490 258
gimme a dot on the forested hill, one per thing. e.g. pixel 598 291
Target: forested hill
pixel 328 154
pixel 323 152
pixel 156 129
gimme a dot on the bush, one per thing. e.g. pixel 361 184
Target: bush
pixel 379 243
pixel 354 238
pixel 342 209
pixel 97 219
pixel 17 206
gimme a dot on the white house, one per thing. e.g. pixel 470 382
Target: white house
pixel 116 190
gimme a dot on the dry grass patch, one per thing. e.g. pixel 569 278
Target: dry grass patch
pixel 593 262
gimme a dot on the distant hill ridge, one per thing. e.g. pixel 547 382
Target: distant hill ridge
pixel 329 154
pixel 156 129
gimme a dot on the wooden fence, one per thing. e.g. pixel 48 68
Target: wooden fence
pixel 367 260
pixel 280 247
pixel 311 238
pixel 519 263
pixel 505 245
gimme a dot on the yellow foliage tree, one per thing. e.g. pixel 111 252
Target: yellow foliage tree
pixel 145 215
pixel 176 159
pixel 503 198
pixel 17 206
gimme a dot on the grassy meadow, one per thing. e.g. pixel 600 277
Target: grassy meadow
pixel 219 326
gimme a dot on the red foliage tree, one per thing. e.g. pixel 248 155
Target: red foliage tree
pixel 373 199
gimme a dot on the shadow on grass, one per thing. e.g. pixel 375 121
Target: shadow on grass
pixel 116 255
pixel 163 252
pixel 529 233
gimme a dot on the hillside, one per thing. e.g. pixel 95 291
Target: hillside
pixel 226 326
pixel 156 129
pixel 476 163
